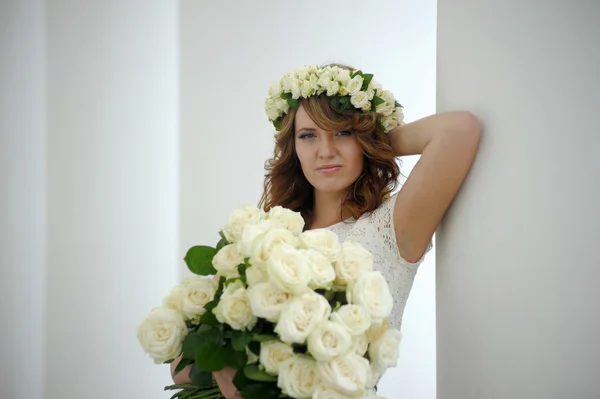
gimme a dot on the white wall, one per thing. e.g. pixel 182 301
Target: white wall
pixel 23 199
pixel 228 59
pixel 90 185
pixel 518 306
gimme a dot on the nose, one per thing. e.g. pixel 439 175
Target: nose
pixel 327 148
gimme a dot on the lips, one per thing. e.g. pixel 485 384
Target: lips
pixel 329 168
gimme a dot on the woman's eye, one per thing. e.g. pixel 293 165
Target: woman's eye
pixel 345 133
pixel 306 136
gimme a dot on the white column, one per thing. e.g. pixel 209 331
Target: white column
pixel 518 270
pixel 22 198
pixel 112 192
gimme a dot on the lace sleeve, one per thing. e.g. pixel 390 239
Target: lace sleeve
pixel 384 220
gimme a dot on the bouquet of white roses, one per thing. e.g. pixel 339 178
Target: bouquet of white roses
pixel 297 313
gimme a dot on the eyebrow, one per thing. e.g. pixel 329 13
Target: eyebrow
pixel 306 129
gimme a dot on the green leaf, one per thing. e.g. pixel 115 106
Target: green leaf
pixel 222 242
pixel 190 345
pixel 203 379
pixel 254 347
pixel 260 391
pixel 293 103
pixel 240 380
pixel 377 100
pixel 182 364
pixel 210 356
pixel 380 125
pixel 397 104
pixel 209 318
pixel 367 77
pixel 241 339
pixel 264 337
pixel 199 260
pixel 253 372
pixel 353 74
pixel 233 358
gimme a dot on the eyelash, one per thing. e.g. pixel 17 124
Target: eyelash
pixel 305 135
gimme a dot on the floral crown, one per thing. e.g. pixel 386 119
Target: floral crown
pixel 347 90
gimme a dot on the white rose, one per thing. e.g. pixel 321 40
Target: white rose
pixel 360 344
pixel 325 79
pixel 286 219
pixel 288 269
pixel 227 260
pixel 321 269
pixel 267 300
pixel 298 377
pixel 174 300
pixel 328 340
pixel 234 307
pixel 360 100
pixel 321 240
pixel 300 316
pixel 333 88
pixel 374 376
pixel 250 235
pixel 196 294
pixel 272 354
pixel 372 292
pixel 388 123
pixel 377 329
pixel 384 352
pixel 264 244
pixel 347 374
pixel 275 89
pixel 161 334
pixel 354 85
pixel 239 219
pixel 343 76
pixel 302 72
pixel 282 105
pixel 271 108
pixel 355 318
pixel 256 274
pixel 287 81
pixel 323 392
pixel 354 260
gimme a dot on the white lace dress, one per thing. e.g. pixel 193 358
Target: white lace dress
pixel 377 234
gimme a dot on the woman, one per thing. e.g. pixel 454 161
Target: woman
pixel 339 134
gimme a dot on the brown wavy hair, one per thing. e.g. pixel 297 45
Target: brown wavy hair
pixel 285 184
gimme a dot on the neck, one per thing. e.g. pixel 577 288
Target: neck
pixel 326 210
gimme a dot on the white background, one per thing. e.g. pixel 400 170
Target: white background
pixel 129 130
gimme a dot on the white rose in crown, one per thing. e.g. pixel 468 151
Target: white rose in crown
pixel 272 354
pixel 161 334
pixel 234 307
pixel 321 240
pixel 286 219
pixel 328 340
pixel 298 376
pixel 239 219
pixel 264 245
pixel 300 316
pixel 197 293
pixel 323 392
pixel 384 351
pixel 353 261
pixel 321 269
pixel 267 300
pixel 371 291
pixel 354 318
pixel 227 260
pixel 288 269
pixel 347 374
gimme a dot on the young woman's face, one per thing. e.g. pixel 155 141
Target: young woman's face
pixel 331 161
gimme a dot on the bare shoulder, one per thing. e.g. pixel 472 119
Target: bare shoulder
pixel 448 144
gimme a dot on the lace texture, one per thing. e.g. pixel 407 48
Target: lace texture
pixel 376 233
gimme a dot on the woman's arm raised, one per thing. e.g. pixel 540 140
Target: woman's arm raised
pixel 448 143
